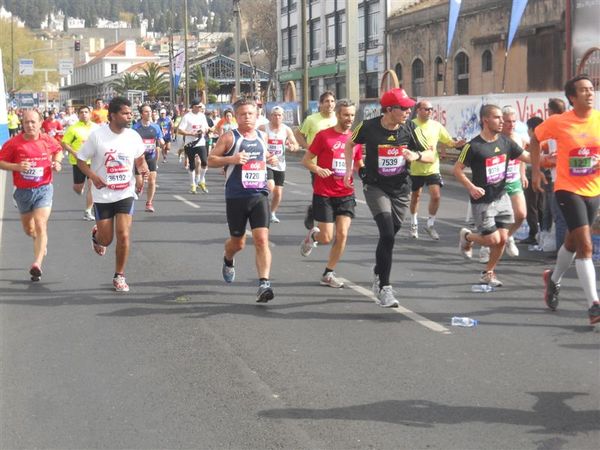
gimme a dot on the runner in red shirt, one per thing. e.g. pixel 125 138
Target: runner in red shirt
pixel 31 156
pixel 53 127
pixel 333 203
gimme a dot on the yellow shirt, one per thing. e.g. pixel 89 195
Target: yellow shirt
pixel 315 123
pixel 76 135
pixel 13 121
pixel 434 132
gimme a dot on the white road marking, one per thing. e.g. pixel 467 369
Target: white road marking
pixel 291 183
pixel 186 201
pixel 433 326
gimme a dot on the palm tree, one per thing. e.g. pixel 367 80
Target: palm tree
pixel 129 81
pixel 197 78
pixel 154 81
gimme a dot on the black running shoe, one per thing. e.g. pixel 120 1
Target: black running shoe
pixel 594 313
pixel 551 290
pixel 265 292
pixel 309 222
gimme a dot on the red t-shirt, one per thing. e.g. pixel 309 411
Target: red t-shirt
pixel 53 128
pixel 38 153
pixel 328 145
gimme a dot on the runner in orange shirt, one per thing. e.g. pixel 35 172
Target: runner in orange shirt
pixel 577 187
pixel 99 113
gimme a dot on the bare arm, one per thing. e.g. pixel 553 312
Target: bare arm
pixel 537 177
pixel 217 157
pixel 300 138
pixel 474 191
pixel 292 143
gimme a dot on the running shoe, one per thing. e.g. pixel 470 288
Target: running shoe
pixel 465 247
pixel 228 273
pixel 375 287
pixel 307 245
pixel 309 222
pixel 36 272
pixel 99 249
pixel 484 255
pixel 274 218
pixel 329 279
pixel 530 240
pixel 489 277
pixel 202 187
pixel 386 298
pixel 149 207
pixel 551 290
pixel 433 234
pixel 120 284
pixel 265 292
pixel 88 216
pixel 139 190
pixel 193 189
pixel 414 231
pixel 511 247
pixel 594 313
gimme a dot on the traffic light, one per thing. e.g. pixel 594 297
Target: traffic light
pixel 77 46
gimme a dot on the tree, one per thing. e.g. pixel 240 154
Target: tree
pixel 129 81
pixel 154 81
pixel 261 28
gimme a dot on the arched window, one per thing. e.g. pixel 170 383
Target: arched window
pixel 461 73
pixel 439 69
pixel 486 61
pixel 418 77
pixel 398 70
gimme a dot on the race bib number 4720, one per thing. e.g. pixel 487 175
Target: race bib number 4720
pixel 254 174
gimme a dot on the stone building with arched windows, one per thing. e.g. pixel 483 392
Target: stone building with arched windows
pixel 417 48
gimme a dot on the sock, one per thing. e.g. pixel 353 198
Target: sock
pixel 430 221
pixel 228 262
pixel 564 258
pixel 88 210
pixel 203 175
pixel 586 273
pixel 193 178
pixel 264 280
pixel 327 270
pixel 414 219
pixel 117 274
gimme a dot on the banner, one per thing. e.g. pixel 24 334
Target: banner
pixel 585 33
pixel 178 66
pixel 518 7
pixel 452 19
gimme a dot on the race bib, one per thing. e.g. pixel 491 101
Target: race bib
pixel 118 177
pixel 275 147
pixel 582 161
pixel 495 169
pixel 391 160
pixel 338 167
pixel 149 146
pixel 33 174
pixel 254 174
pixel 513 171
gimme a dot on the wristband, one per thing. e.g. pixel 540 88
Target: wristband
pixel 420 156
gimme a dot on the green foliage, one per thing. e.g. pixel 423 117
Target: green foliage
pixel 154 81
pixel 129 81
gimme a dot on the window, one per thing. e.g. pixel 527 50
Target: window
pixel 461 73
pixel 398 70
pixel 113 69
pixel 315 38
pixel 285 50
pixel 293 44
pixel 330 23
pixel 314 89
pixel 336 34
pixel 486 61
pixel 418 77
pixel 373 24
pixel 439 69
pixel 361 26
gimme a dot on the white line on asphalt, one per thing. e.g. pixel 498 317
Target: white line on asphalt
pixel 291 183
pixel 187 202
pixel 433 326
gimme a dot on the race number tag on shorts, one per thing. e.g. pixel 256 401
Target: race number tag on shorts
pixel 391 160
pixel 495 169
pixel 33 174
pixel 512 173
pixel 254 174
pixel 338 167
pixel 118 177
pixel 582 161
pixel 275 147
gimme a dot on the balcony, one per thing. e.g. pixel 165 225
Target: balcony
pixel 371 44
pixel 331 52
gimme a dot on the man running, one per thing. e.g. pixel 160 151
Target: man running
pixel 391 142
pixel 31 156
pixel 113 151
pixel 244 153
pixel 280 138
pixel 576 187
pixel 166 126
pixel 72 141
pixel 324 118
pixel 99 113
pixel 333 201
pixel 194 124
pixel 488 156
pixel 13 122
pixel 422 174
pixel 152 136
pixel 52 126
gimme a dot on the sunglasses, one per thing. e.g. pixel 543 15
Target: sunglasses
pixel 402 108
pixel 427 109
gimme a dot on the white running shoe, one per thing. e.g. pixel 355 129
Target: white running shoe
pixel 489 277
pixel 465 247
pixel 511 247
pixel 386 298
pixel 484 255
pixel 414 231
pixel 307 245
pixel 120 284
pixel 331 280
pixel 274 218
pixel 432 233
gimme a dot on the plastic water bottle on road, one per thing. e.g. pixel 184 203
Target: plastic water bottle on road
pixel 463 322
pixel 482 288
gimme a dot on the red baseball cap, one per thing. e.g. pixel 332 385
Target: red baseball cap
pixel 396 97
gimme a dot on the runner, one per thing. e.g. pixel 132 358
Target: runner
pixel 52 126
pixel 333 202
pixel 324 118
pixel 422 174
pixel 280 138
pixel 151 136
pixel 70 118
pixel 72 141
pixel 31 156
pixel 99 113
pixel 244 153
pixel 194 124
pixel 166 126
pixel 226 123
pixel 13 122
pixel 113 151
pixel 488 156
pixel 577 188
pixel 391 141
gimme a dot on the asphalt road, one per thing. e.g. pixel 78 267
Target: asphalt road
pixel 185 361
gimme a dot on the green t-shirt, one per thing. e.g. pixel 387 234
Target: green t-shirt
pixel 315 123
pixel 76 135
pixel 434 132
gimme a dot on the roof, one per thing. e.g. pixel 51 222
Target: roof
pixel 416 5
pixel 118 50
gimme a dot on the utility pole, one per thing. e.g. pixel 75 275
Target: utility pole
pixel 352 68
pixel 236 39
pixel 304 54
pixel 187 62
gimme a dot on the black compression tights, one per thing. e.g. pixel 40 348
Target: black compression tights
pixel 385 247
